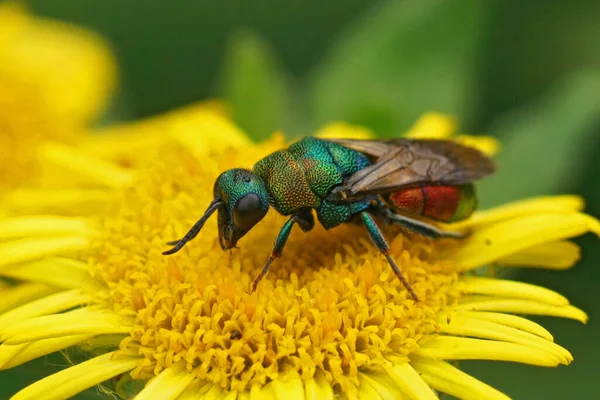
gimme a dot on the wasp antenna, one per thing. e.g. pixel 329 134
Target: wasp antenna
pixel 194 230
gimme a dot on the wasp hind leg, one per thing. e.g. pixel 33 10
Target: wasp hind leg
pixel 383 247
pixel 416 226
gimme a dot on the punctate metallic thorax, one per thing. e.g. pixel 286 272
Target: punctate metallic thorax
pixel 302 175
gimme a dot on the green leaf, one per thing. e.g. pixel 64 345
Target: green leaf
pixel 254 86
pixel 403 59
pixel 547 143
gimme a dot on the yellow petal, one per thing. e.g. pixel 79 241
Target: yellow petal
pixel 512 321
pixel 55 56
pixel 195 390
pixel 73 380
pixel 24 250
pixel 410 382
pixel 55 271
pixel 243 396
pixel 46 305
pixel 43 225
pixel 260 392
pixel 538 205
pixel 463 326
pixel 91 169
pixel 450 380
pixel 147 137
pixel 433 126
pixel 556 255
pixel 17 354
pixel 518 306
pixel 382 383
pixel 204 133
pixel 318 389
pixel 491 243
pixel 168 385
pixel 342 130
pixel 80 321
pixel 14 296
pixel 366 391
pixel 511 289
pixel 232 395
pixel 488 145
pixel 217 107
pixel 78 202
pixel 288 387
pixel 456 348
pixel 13 20
pixel 215 393
pixel 133 140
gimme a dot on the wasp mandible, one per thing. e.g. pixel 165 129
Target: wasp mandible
pixel 346 180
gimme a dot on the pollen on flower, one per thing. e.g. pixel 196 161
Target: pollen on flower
pixel 329 307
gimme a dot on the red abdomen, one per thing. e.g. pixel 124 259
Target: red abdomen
pixel 442 203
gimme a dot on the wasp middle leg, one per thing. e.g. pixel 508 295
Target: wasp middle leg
pixel 384 248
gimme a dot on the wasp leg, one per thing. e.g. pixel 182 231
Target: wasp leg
pixel 306 219
pixel 382 245
pixel 420 227
pixel 277 249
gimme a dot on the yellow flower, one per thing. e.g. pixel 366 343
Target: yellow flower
pixel 329 320
pixel 55 79
pixel 104 161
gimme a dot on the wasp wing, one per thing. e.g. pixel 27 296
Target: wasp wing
pixel 404 163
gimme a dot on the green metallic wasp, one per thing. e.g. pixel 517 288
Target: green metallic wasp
pixel 344 181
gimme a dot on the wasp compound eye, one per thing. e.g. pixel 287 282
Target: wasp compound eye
pixel 247 212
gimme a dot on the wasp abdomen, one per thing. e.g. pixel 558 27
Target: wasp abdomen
pixel 441 203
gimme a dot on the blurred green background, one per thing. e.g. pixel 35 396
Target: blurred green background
pixel 526 72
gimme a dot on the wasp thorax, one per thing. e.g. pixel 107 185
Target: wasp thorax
pixel 244 203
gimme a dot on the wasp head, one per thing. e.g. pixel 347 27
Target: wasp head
pixel 243 202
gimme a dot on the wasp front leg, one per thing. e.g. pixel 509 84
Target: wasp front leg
pixel 277 249
pixel 414 225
